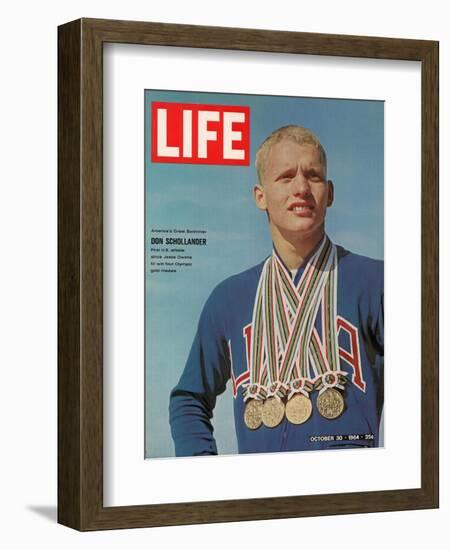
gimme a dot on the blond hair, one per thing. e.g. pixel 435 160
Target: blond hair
pixel 297 134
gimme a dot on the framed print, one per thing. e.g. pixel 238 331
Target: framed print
pixel 248 274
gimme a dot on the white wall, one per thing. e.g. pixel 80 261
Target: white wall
pixel 28 272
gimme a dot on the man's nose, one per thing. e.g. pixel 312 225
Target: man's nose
pixel 301 186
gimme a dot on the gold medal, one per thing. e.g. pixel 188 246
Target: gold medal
pixel 298 409
pixel 253 414
pixel 272 412
pixel 330 404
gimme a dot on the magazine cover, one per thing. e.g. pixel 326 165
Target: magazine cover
pixel 264 283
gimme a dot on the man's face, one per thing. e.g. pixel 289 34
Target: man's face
pixel 295 192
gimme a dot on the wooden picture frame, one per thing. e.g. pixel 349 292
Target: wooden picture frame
pixel 80 274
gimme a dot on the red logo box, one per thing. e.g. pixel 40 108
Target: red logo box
pixel 200 134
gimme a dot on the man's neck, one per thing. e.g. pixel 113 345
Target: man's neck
pixel 294 250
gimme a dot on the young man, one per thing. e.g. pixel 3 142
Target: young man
pixel 300 335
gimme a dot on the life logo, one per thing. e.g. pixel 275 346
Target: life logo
pixel 186 133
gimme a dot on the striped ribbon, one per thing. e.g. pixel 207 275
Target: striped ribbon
pixel 284 340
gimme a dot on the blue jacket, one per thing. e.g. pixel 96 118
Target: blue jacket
pixel 219 354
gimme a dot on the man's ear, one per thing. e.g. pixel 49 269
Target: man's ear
pixel 259 196
pixel 330 193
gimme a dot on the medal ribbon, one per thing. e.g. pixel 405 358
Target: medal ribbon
pixel 256 388
pixel 295 353
pixel 275 324
pixel 284 339
pixel 324 359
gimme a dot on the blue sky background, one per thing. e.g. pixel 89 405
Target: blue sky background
pixel 219 199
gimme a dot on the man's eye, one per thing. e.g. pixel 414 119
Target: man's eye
pixel 284 179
